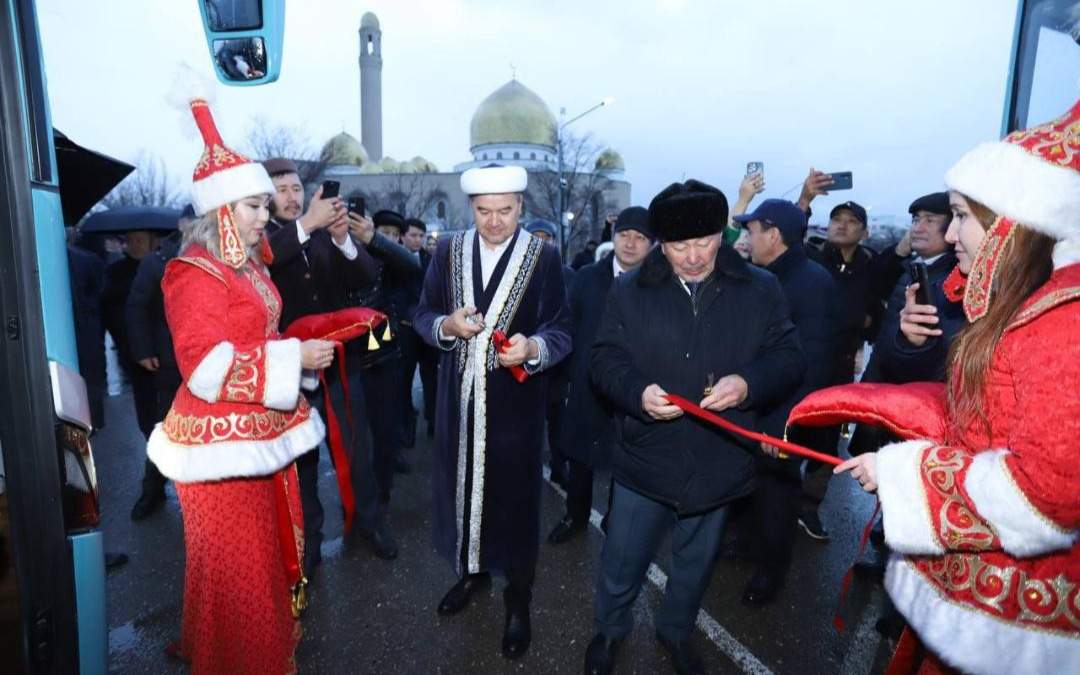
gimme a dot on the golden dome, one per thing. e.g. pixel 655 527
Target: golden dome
pixel 512 114
pixel 609 160
pixel 343 149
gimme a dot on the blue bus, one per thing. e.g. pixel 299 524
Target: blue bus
pixel 52 577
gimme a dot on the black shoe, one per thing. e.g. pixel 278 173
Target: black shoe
pixel 381 539
pixel 115 560
pixel 457 598
pixel 311 564
pixel 517 630
pixel 600 656
pixel 762 588
pixel 401 465
pixel 811 525
pixel 568 528
pixel 683 656
pixel 147 504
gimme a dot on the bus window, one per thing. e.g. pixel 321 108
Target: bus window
pixel 1046 67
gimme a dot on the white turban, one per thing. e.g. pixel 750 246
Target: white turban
pixel 494 180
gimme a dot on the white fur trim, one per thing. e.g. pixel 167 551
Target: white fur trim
pixel 974 641
pixel 494 180
pixel 208 377
pixel 309 380
pixel 232 459
pixel 1023 530
pixel 909 527
pixel 1066 251
pixel 1015 183
pixel 229 185
pixel 282 388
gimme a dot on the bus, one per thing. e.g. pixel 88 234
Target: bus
pixel 52 576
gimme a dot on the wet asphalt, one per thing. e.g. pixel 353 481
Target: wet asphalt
pixel 368 615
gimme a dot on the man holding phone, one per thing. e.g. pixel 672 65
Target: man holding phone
pixel 315 263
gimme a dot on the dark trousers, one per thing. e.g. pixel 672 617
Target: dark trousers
pixel 410 356
pixel 637 527
pixel 429 373
pixel 382 383
pixel 773 512
pixel 555 414
pixel 163 385
pixel 579 490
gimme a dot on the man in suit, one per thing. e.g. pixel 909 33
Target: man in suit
pixel 315 263
pixel 413 350
pixel 589 431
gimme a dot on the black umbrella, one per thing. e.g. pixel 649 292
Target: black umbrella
pixel 85 176
pixel 128 218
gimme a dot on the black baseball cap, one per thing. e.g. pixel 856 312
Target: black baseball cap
pixel 778 213
pixel 935 202
pixel 857 209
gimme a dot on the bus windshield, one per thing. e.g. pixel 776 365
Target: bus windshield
pixel 1046 68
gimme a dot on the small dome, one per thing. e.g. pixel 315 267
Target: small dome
pixel 343 149
pixel 371 168
pixel 609 160
pixel 369 20
pixel 422 165
pixel 512 114
pixel 390 165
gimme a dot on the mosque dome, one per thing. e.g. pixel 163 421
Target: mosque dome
pixel 343 149
pixel 610 160
pixel 513 113
pixel 369 20
pixel 420 164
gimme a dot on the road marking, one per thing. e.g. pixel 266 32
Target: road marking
pixel 864 644
pixel 714 632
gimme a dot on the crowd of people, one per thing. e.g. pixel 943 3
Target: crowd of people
pixel 729 307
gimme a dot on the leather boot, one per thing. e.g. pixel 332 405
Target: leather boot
pixel 459 595
pixel 517 631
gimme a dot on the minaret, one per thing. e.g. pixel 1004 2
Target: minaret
pixel 371 86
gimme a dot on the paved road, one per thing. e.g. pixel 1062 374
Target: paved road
pixel 372 616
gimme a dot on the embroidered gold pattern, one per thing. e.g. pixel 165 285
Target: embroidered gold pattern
pixel 205 265
pixel 269 297
pixel 242 383
pixel 958 527
pixel 253 426
pixel 1045 304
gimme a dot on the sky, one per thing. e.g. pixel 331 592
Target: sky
pixel 894 91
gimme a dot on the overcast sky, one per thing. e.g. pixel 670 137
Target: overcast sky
pixel 892 91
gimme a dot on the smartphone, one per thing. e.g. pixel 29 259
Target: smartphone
pixel 841 181
pixel 920 276
pixel 755 167
pixel 330 189
pixel 356 205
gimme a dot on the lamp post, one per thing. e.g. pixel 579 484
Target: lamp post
pixel 606 101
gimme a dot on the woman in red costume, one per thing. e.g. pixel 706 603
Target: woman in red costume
pixel 236 425
pixel 985 525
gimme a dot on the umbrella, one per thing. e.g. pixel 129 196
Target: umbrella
pixel 128 218
pixel 85 176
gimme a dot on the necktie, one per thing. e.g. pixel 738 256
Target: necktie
pixel 693 286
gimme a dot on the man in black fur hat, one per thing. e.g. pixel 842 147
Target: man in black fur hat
pixel 699 321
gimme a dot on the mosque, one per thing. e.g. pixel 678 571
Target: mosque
pixel 512 126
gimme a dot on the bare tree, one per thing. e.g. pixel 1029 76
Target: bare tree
pixel 266 139
pixel 411 194
pixel 148 185
pixel 583 186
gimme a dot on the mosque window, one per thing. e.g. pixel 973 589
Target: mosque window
pixel 440 210
pixel 485 155
pixel 370 46
pixel 532 155
pixel 498 155
pixel 517 155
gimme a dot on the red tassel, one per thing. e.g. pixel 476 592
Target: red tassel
pixel 265 251
pixel 337 454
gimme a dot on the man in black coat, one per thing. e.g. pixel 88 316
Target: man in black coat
pixel 776 228
pixel 315 264
pixel 151 348
pixel 87 275
pixel 699 321
pixel 391 292
pixel 413 350
pixel 589 427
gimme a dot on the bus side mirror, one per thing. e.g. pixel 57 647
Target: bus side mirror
pixel 245 39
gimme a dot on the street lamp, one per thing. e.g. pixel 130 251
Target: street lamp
pixel 606 101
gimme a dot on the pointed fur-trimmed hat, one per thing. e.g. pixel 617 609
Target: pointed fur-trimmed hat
pixel 1031 177
pixel 222 177
pixel 689 210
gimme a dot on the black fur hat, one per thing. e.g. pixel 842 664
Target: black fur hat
pixel 688 210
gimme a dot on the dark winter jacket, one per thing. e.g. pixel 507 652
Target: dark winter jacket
pixel 811 296
pixel 588 427
pixel 396 273
pixel 896 360
pixel 653 332
pixel 87 275
pixel 148 332
pixel 857 292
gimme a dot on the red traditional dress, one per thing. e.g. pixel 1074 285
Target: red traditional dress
pixel 985 521
pixel 231 437
pixel 238 420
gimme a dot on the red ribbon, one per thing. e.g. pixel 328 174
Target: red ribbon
pixel 337 445
pixel 290 552
pixel 499 339
pixel 845 585
pixel 793 448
